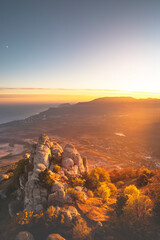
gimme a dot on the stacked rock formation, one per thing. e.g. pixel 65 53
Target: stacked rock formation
pixel 46 153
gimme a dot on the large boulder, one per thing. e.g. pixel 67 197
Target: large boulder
pixel 24 236
pixel 73 172
pixel 69 214
pixel 67 163
pixel 57 186
pixel 59 194
pixel 43 154
pixel 57 197
pixel 71 152
pixel 55 237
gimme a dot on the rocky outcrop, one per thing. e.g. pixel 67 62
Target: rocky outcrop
pixel 35 196
pixel 55 237
pixel 70 152
pixel 45 154
pixel 69 214
pixel 24 236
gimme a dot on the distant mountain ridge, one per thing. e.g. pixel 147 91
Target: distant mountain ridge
pixel 96 124
pixel 99 106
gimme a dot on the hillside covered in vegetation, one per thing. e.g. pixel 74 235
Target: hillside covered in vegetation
pixel 51 191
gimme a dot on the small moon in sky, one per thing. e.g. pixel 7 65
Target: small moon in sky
pixel 6 46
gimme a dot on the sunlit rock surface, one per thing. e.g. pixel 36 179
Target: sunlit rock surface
pixel 45 155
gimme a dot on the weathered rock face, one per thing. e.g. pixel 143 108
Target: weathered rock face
pixel 69 214
pixel 55 237
pixel 35 196
pixel 71 152
pixel 45 154
pixel 24 236
pixel 67 163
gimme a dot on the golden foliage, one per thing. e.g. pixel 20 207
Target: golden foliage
pixel 104 192
pixel 138 206
pixel 76 195
pixel 57 168
pixel 24 217
pixel 78 182
pixel 46 178
pixel 95 177
pixel 113 189
pixel 90 194
pixel 131 190
pixel 50 213
pixel 81 230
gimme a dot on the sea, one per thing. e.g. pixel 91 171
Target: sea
pixel 13 112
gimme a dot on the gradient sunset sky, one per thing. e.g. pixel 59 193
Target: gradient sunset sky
pixel 62 50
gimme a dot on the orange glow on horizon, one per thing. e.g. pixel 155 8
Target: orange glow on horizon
pixel 24 96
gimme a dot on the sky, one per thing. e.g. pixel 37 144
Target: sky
pixel 71 49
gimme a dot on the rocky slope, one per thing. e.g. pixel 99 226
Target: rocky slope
pixel 33 194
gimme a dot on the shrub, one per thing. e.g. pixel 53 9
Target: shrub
pixel 91 182
pixel 95 177
pixel 119 184
pixel 123 174
pixel 46 178
pixel 156 208
pixel 113 189
pixel 101 173
pixel 90 194
pixel 104 192
pixel 142 180
pixel 76 195
pixel 24 217
pixel 50 213
pixel 154 190
pixel 145 171
pixel 135 216
pixel 80 230
pixel 78 182
pixel 121 202
pixel 62 220
pixel 56 159
pixel 131 190
pixel 57 168
pixel 137 208
pixel 19 170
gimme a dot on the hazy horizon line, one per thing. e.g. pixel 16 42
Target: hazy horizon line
pixel 75 89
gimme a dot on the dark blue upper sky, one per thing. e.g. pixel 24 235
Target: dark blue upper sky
pixel 80 44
